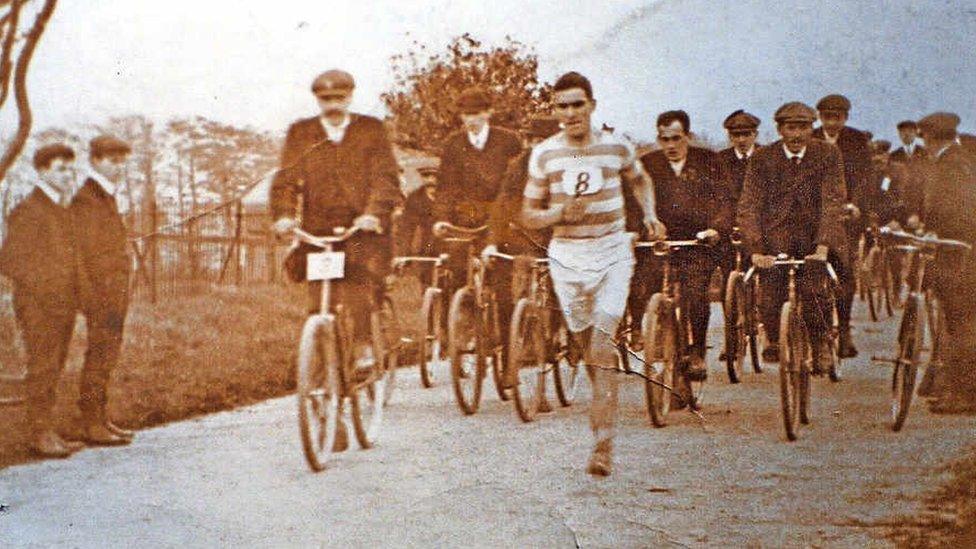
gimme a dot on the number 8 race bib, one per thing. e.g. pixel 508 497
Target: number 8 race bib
pixel 583 180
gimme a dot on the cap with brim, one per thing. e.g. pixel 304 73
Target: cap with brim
pixel 107 145
pixel 795 111
pixel 907 124
pixel 473 101
pixel 881 146
pixel 740 120
pixel 834 102
pixel 939 125
pixel 333 82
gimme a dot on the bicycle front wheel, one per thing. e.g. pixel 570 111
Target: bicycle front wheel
pixel 527 361
pixel 906 367
pixel 735 327
pixel 318 390
pixel 433 336
pixel 372 384
pixel 660 358
pixel 793 349
pixel 465 343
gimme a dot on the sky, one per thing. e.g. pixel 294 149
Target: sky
pixel 250 63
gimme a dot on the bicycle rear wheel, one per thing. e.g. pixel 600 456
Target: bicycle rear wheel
pixel 660 358
pixel 752 324
pixel 868 272
pixel 527 360
pixel 433 337
pixel 494 354
pixel 906 367
pixel 736 340
pixel 793 353
pixel 563 353
pixel 318 390
pixel 465 344
pixel 372 384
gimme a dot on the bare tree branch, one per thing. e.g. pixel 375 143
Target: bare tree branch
pixel 25 117
pixel 12 19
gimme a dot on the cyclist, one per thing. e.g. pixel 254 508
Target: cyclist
pixel 693 200
pixel 342 167
pixel 792 202
pixel 415 235
pixel 576 182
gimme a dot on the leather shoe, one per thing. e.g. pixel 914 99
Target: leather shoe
pixel 771 353
pixel 600 459
pixel 99 434
pixel 341 443
pixel 48 443
pixel 696 371
pixel 124 433
pixel 845 347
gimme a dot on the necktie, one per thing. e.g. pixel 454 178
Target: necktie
pixel 797 160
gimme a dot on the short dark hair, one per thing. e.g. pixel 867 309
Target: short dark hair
pixel 48 153
pixel 667 118
pixel 107 145
pixel 572 80
pixel 907 124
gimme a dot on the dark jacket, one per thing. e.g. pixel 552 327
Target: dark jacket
pixel 950 202
pixel 789 208
pixel 904 197
pixel 471 179
pixel 416 234
pixel 505 230
pixel 39 254
pixel 856 154
pixel 901 155
pixel 337 183
pixel 735 171
pixel 101 239
pixel 698 200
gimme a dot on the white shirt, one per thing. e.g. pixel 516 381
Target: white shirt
pixel 792 155
pixel 335 133
pixel 886 183
pixel 748 154
pixel 829 139
pixel 945 148
pixel 910 149
pixel 480 139
pixel 54 195
pixel 678 166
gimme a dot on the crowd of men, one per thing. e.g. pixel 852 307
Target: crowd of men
pixel 564 189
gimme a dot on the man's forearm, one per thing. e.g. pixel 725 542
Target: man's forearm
pixel 643 189
pixel 535 217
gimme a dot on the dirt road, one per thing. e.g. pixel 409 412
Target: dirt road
pixel 438 478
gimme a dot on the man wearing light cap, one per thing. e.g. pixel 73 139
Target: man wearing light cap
pixel 792 202
pixel 910 151
pixel 856 154
pixel 342 167
pixel 949 207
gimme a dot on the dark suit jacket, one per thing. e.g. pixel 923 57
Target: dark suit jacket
pixel 337 183
pixel 470 180
pixel 950 201
pixel 416 224
pixel 901 155
pixel 698 200
pixel 39 255
pixel 735 171
pixel 904 197
pixel 505 213
pixel 101 240
pixel 856 154
pixel 792 208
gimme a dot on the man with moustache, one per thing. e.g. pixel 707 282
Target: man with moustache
pixel 855 152
pixel 40 257
pixel 692 199
pixel 576 183
pixel 792 202
pixel 340 166
pixel 949 207
pixel 101 239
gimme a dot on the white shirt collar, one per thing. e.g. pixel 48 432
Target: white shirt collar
pixel 885 183
pixel 792 155
pixel 335 133
pixel 679 166
pixel 480 139
pixel 910 148
pixel 102 181
pixel 943 150
pixel 54 195
pixel 829 139
pixel 748 154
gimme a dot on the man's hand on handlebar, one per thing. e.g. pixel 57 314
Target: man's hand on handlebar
pixel 655 229
pixel 488 251
pixel 820 255
pixel 283 226
pixel 851 211
pixel 367 222
pixel 763 261
pixel 708 236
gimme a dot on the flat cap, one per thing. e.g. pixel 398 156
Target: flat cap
pixel 880 146
pixel 336 81
pixel 106 145
pixel 834 102
pixel 46 154
pixel 428 164
pixel 473 100
pixel 795 111
pixel 939 124
pixel 741 120
pixel 907 124
pixel 542 126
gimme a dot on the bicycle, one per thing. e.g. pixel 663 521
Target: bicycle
pixel 795 346
pixel 433 312
pixel 473 329
pixel 667 337
pixel 920 251
pixel 328 373
pixel 539 343
pixel 874 274
pixel 741 316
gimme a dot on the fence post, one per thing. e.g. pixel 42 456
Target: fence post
pixel 238 241
pixel 154 251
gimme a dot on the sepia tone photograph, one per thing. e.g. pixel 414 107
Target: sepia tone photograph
pixel 457 273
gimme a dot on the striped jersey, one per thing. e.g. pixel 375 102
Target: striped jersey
pixel 560 171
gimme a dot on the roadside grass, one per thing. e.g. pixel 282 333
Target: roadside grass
pixel 187 355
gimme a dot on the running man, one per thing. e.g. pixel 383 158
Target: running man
pixel 576 183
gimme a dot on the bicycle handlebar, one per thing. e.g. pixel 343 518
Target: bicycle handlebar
pixel 928 240
pixel 443 228
pixel 342 234
pixel 402 261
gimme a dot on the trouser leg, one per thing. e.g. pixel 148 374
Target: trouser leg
pixel 695 280
pixel 817 302
pixel 772 295
pixel 105 329
pixel 46 333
